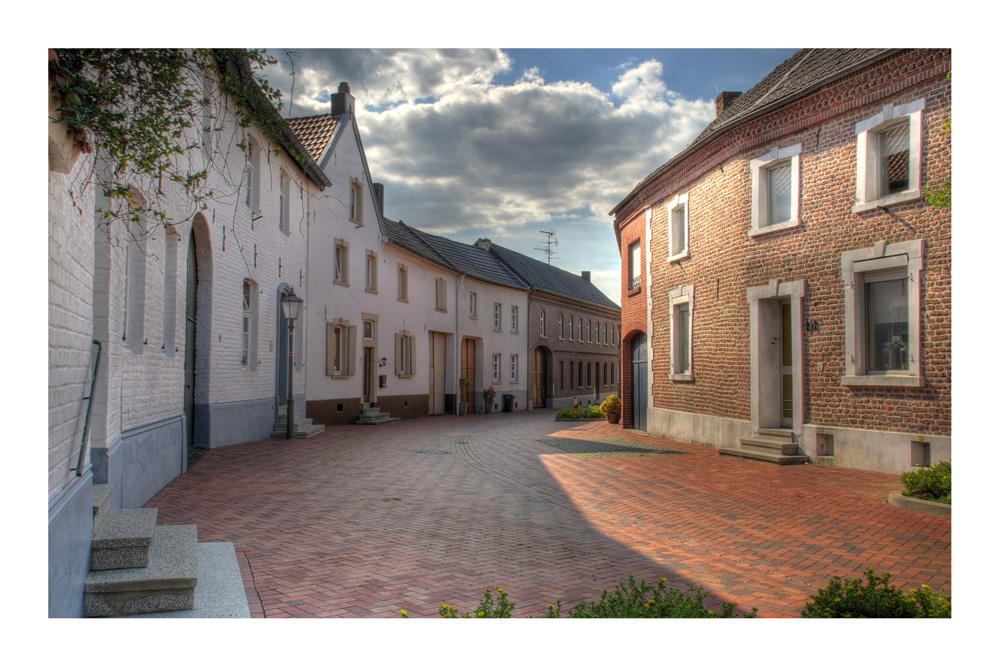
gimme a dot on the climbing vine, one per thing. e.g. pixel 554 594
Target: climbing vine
pixel 144 111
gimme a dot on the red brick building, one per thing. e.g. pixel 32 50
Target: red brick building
pixel 786 289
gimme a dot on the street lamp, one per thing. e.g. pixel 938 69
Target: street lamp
pixel 291 306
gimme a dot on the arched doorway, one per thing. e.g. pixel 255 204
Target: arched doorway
pixel 639 378
pixel 539 379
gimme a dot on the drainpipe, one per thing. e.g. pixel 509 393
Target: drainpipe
pixel 458 341
pixel 530 384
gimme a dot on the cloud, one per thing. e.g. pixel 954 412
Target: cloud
pixel 465 157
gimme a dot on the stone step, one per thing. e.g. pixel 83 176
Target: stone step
pixel 779 459
pixel 301 429
pixel 124 539
pixel 102 504
pixel 167 584
pixel 769 445
pixel 780 433
pixel 376 419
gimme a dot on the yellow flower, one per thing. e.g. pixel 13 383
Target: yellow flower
pixel 481 614
pixel 403 612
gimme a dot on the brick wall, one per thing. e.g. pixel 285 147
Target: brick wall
pixel 634 311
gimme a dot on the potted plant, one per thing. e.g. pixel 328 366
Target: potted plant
pixel 612 408
pixel 463 407
pixel 893 352
pixel 488 395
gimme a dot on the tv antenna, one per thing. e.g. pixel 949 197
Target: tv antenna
pixel 549 242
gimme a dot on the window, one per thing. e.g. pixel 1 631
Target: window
pixel 605 374
pixel 284 224
pixel 560 326
pixel 473 306
pixel 513 368
pixel 497 317
pixel 590 382
pixel 541 324
pixel 612 375
pixel 562 377
pixel 513 319
pixel 882 314
pixel 634 267
pixel 253 178
pixel 134 305
pixel 371 272
pixel 341 262
pixel 588 332
pixel 579 329
pixel 677 210
pixel 405 354
pixel 441 295
pixel 356 207
pixel 606 334
pixel 774 204
pixel 368 327
pixel 496 368
pixel 888 153
pixel 402 283
pixel 169 344
pixel 579 379
pixel 340 346
pixel 248 357
pixel 681 310
pixel 571 327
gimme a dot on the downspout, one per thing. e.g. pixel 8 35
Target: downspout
pixel 90 404
pixel 458 342
pixel 528 356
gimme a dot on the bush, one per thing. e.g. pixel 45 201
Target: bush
pixel 933 483
pixel 645 601
pixel 876 599
pixel 612 404
pixel 488 607
pixel 590 412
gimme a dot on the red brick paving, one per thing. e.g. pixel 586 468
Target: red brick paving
pixel 364 521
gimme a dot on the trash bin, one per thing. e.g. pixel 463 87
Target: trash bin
pixel 508 402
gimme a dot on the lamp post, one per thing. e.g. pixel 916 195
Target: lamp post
pixel 291 306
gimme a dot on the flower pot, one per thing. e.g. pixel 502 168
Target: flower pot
pixel 463 409
pixel 614 417
pixel 489 407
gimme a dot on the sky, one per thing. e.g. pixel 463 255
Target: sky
pixel 507 143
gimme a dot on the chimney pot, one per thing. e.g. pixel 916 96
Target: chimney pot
pixel 342 101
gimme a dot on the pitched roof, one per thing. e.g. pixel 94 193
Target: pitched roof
pixel 469 260
pixel 801 74
pixel 315 133
pixel 544 277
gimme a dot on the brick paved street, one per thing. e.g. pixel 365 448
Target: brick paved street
pixel 365 521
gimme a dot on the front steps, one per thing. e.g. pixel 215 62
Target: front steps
pixel 301 428
pixel 773 445
pixel 372 416
pixel 136 566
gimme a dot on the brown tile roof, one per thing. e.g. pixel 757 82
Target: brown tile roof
pixel 314 132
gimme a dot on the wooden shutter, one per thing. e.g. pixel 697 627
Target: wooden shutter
pixel 331 349
pixel 397 353
pixel 352 337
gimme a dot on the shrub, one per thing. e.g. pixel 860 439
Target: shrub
pixel 876 599
pixel 645 601
pixel 611 404
pixel 933 483
pixel 488 607
pixel 590 412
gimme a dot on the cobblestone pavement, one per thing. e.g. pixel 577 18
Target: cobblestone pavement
pixel 363 521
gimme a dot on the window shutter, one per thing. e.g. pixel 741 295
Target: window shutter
pixel 352 337
pixel 412 341
pixel 331 349
pixel 398 354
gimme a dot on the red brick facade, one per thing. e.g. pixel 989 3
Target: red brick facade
pixel 725 262
pixel 633 305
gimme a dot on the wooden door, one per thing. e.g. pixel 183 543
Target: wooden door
pixel 539 379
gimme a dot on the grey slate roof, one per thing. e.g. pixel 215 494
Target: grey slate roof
pixel 803 72
pixel 544 277
pixel 469 260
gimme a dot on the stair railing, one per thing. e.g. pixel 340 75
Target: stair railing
pixel 84 440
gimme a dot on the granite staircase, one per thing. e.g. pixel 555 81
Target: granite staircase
pixel 301 428
pixel 773 445
pixel 372 416
pixel 136 566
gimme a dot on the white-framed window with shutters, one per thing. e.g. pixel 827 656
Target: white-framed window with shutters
pixel 496 367
pixel 473 306
pixel 889 148
pixel 341 343
pixel 341 262
pixel 514 368
pixel 497 317
pixel 405 354
pixel 514 319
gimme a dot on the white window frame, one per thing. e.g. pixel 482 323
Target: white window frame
pixel 868 173
pixel 356 206
pixel 759 187
pixel 514 319
pixel 561 326
pixel 634 266
pixel 541 324
pixel 371 271
pixel 513 368
pixel 589 334
pixel 579 329
pixel 908 257
pixel 681 297
pixel 496 368
pixel 497 317
pixel 248 355
pixel 680 201
pixel 473 306
pixel 340 345
pixel 406 354
pixel 344 265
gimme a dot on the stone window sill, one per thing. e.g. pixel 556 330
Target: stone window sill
pixel 882 381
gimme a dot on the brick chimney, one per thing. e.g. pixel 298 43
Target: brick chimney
pixel 342 101
pixel 722 102
pixel 586 275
